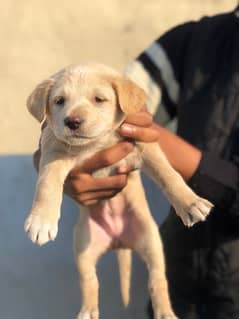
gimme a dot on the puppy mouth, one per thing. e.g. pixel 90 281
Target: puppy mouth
pixel 79 135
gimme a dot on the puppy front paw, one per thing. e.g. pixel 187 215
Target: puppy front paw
pixel 39 229
pixel 197 211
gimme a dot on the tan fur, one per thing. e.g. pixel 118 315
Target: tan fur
pixel 131 98
pixel 62 151
pixel 37 101
pixel 125 261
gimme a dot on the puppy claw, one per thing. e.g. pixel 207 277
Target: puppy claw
pixel 39 231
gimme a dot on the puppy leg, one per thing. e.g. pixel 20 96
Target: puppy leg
pixel 150 249
pixel 190 207
pixel 144 238
pixel 42 222
pixel 90 242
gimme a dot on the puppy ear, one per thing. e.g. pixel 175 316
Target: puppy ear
pixel 131 97
pixel 38 100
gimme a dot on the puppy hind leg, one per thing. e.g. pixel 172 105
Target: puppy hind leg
pixel 86 265
pixel 87 252
pixel 145 240
pixel 125 261
pixel 151 250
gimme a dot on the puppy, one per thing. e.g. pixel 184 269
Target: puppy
pixel 84 105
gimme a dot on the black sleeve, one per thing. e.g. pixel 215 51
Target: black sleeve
pixel 217 180
pixel 163 60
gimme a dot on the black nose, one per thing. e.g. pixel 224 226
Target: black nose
pixel 72 122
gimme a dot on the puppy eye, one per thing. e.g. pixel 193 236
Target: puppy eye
pixel 60 100
pixel 99 99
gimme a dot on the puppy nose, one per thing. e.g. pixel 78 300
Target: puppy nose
pixel 72 122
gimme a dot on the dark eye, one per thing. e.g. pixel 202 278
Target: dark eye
pixel 59 100
pixel 99 99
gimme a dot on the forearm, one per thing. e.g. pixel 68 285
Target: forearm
pixel 183 156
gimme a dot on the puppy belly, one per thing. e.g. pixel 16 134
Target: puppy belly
pixel 114 221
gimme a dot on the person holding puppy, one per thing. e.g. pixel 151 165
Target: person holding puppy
pixel 192 71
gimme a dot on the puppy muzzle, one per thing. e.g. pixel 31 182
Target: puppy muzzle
pixel 73 123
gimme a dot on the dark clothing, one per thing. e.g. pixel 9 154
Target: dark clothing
pixel 202 269
pixel 203 262
pixel 204 57
pixel 197 70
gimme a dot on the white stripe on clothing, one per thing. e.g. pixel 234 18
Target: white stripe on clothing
pixel 159 57
pixel 137 73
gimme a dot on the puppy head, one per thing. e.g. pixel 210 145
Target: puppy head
pixel 84 102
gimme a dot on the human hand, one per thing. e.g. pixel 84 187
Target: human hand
pixel 88 190
pixel 140 127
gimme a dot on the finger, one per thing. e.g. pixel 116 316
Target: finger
pixel 105 158
pixel 124 169
pixel 91 202
pixel 100 195
pixel 94 198
pixel 94 184
pixel 141 134
pixel 143 118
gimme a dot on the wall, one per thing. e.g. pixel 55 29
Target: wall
pixel 40 37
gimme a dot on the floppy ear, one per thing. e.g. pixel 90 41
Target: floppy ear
pixel 38 100
pixel 131 97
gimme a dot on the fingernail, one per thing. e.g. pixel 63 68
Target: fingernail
pixel 127 129
pixel 122 169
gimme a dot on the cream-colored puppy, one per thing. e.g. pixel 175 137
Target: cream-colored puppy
pixel 84 106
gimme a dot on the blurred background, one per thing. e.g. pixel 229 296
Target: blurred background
pixel 37 39
pixel 40 37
